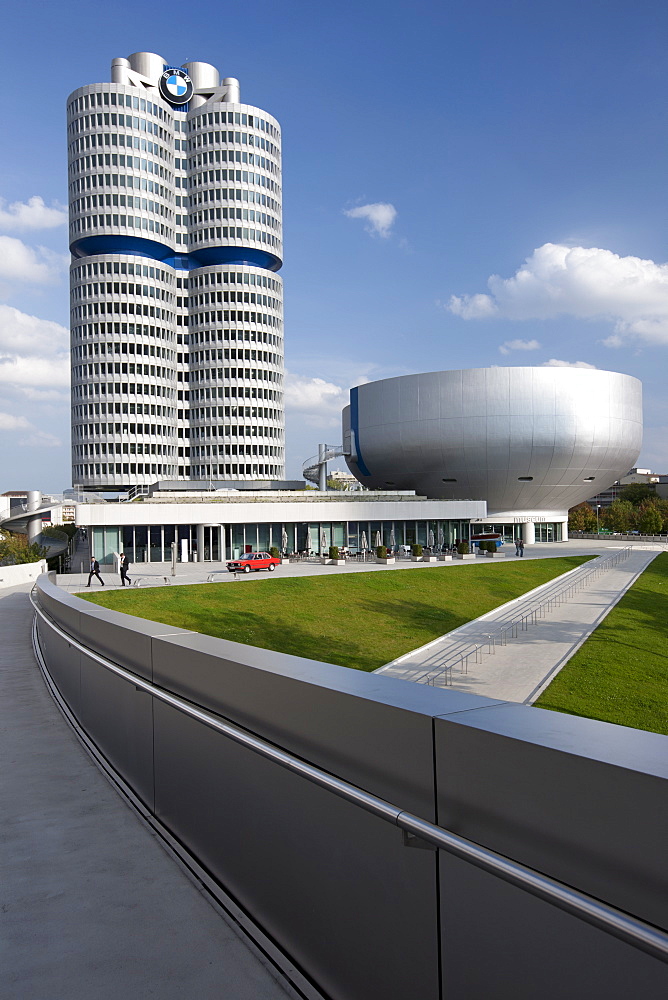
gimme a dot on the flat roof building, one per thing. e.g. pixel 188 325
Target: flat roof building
pixel 176 307
pixel 223 525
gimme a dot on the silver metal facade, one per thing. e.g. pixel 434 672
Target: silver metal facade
pixel 520 438
pixel 176 307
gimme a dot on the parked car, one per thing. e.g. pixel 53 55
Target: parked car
pixel 253 561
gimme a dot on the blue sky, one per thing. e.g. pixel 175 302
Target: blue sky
pixel 522 140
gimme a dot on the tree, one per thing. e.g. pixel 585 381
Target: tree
pixel 650 521
pixel 619 516
pixel 635 493
pixel 14 550
pixel 581 518
pixel 662 507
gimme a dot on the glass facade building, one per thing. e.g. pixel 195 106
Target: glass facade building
pixel 176 305
pixel 213 542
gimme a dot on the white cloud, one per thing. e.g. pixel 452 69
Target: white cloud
pixel 19 262
pixel 27 334
pixel 380 217
pixel 40 439
pixel 48 372
pixel 33 352
pixel 44 395
pixel 33 214
pixel 319 403
pixel 35 438
pixel 586 282
pixel 518 345
pixel 555 363
pixel 9 422
pixel 473 306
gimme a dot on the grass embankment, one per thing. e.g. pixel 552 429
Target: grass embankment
pixel 620 674
pixel 360 620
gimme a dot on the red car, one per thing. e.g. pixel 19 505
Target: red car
pixel 253 561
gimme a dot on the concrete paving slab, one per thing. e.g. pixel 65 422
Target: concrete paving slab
pixel 92 905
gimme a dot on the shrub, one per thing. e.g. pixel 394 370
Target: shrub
pixel 417 550
pixel 14 550
pixel 333 552
pixel 463 548
pixel 381 551
pixel 273 551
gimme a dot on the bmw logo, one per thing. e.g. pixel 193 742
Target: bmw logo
pixel 176 86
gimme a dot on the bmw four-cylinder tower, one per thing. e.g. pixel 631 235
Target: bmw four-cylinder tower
pixel 176 304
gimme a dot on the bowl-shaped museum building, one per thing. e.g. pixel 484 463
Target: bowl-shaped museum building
pixel 532 442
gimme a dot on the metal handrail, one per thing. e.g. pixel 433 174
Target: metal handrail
pixel 629 929
pixel 554 593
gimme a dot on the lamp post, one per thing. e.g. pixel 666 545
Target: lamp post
pixel 598 507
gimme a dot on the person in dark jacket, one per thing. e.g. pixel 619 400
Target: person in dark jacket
pixel 94 571
pixel 124 563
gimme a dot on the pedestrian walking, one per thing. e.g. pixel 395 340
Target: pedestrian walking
pixel 94 571
pixel 517 546
pixel 521 546
pixel 124 563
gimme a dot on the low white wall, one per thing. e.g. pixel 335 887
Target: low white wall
pixel 12 576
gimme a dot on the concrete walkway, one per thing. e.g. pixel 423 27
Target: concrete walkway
pixel 520 670
pixel 159 574
pixel 93 908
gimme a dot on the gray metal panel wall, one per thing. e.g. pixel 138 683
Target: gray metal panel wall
pixel 359 913
pixel 520 438
pixel 576 800
pixel 329 880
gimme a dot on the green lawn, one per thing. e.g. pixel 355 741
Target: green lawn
pixel 620 674
pixel 360 620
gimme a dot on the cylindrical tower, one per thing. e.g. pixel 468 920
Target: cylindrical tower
pixel 176 307
pixel 236 302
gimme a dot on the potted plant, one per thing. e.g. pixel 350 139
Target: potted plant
pixel 493 552
pixel 463 551
pixel 416 553
pixel 429 556
pixel 382 555
pixel 335 556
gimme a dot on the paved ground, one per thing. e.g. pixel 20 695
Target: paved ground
pixel 92 906
pixel 159 574
pixel 520 670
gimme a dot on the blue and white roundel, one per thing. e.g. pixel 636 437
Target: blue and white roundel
pixel 176 86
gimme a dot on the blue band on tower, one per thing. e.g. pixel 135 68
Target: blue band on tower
pixel 204 257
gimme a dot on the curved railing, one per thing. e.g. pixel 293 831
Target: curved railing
pixel 283 779
pixel 311 467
